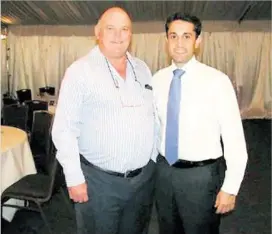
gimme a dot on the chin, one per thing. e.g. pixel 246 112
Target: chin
pixel 118 54
pixel 181 59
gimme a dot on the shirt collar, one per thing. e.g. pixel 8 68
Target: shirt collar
pixel 131 59
pixel 186 66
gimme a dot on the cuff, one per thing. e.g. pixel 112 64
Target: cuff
pixel 74 177
pixel 231 186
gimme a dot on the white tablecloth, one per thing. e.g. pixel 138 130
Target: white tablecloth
pixel 52 109
pixel 16 161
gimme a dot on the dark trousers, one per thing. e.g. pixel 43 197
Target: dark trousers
pixel 185 198
pixel 116 205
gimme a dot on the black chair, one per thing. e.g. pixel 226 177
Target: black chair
pixel 36 189
pixel 9 101
pixel 40 140
pixel 24 95
pixel 34 105
pixel 15 116
pixel 50 90
pixel 42 91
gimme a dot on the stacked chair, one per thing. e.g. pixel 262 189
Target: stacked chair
pixel 24 95
pixel 15 115
pixel 34 105
pixel 47 89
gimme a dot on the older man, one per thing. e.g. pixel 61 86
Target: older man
pixel 104 133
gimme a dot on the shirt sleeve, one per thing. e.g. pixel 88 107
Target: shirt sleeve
pixel 155 152
pixel 156 135
pixel 65 130
pixel 157 130
pixel 235 150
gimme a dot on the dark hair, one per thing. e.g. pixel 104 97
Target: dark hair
pixel 185 17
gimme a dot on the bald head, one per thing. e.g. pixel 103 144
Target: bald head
pixel 113 32
pixel 113 12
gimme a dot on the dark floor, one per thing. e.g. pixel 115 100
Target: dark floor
pixel 252 214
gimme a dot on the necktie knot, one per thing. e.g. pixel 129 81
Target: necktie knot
pixel 178 73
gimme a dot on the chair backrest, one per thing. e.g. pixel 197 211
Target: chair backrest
pixel 42 91
pixel 24 95
pixel 51 168
pixel 50 90
pixel 9 101
pixel 41 131
pixel 15 116
pixel 35 105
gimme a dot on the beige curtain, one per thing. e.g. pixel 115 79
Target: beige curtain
pixel 4 86
pixel 39 58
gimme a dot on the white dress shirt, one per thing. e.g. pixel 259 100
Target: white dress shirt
pixel 113 128
pixel 208 110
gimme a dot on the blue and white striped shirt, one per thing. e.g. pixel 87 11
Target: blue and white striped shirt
pixel 112 128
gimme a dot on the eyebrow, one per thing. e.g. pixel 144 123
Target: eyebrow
pixel 186 33
pixel 111 25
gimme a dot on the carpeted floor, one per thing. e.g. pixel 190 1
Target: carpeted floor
pixel 252 214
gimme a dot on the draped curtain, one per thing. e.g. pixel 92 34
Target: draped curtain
pixel 40 59
pixel 4 86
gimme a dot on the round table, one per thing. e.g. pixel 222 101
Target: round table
pixel 16 159
pixel 51 109
pixel 11 137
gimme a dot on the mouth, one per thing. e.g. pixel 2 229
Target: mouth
pixel 180 51
pixel 117 42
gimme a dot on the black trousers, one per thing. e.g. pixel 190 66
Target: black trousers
pixel 185 198
pixel 116 205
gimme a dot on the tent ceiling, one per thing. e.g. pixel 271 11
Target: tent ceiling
pixel 87 12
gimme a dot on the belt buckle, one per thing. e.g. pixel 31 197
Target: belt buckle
pixel 126 174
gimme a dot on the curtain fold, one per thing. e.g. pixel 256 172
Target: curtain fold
pixel 42 59
pixel 4 81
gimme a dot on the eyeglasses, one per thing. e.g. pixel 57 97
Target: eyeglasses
pixel 126 96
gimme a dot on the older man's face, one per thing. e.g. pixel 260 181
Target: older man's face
pixel 114 33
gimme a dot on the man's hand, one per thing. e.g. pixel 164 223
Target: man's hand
pixel 225 202
pixel 78 193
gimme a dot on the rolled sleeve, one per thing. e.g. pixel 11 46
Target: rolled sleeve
pixel 65 130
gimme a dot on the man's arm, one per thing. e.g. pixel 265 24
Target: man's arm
pixel 156 135
pixel 157 131
pixel 65 131
pixel 235 151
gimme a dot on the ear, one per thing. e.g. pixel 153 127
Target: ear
pixel 198 41
pixel 97 30
pixel 166 38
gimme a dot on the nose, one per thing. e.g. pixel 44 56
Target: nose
pixel 117 33
pixel 180 41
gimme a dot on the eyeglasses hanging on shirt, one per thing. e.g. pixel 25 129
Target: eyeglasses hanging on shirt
pixel 131 94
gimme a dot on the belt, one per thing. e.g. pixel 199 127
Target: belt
pixel 190 164
pixel 128 174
